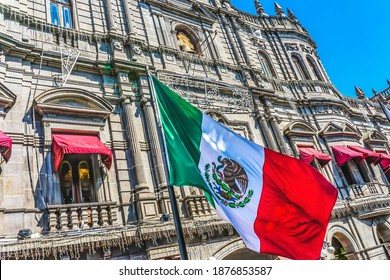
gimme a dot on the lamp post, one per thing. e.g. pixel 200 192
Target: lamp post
pixel 327 252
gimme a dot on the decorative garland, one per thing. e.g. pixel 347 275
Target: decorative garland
pixel 54 246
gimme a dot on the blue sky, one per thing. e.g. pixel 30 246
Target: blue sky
pixel 353 38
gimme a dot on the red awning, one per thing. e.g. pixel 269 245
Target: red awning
pixel 369 155
pixel 385 160
pixel 342 154
pixel 79 144
pixel 308 154
pixel 5 146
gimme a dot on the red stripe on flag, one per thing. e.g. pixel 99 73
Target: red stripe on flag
pixel 294 209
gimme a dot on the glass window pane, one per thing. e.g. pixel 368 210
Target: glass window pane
pixel 67 17
pixel 54 14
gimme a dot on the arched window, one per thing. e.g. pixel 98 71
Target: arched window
pixel 66 181
pixel 85 182
pixel 314 68
pixel 76 179
pixel 61 13
pixel 300 68
pixel 266 66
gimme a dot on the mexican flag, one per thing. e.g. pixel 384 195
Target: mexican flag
pixel 278 204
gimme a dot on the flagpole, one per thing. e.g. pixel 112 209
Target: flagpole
pixel 171 192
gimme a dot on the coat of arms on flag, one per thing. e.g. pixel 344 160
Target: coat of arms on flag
pixel 229 182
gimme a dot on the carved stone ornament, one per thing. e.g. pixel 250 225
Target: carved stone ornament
pixel 118 45
pixel 257 34
pixel 306 49
pixel 259 80
pixel 259 42
pixel 247 76
pixel 207 94
pixel 291 47
pixel 257 38
pixel 123 77
pixel 137 50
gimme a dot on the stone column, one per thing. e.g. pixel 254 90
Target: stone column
pixel 237 31
pixel 161 28
pixel 129 20
pixel 134 147
pixel 229 34
pixel 279 135
pixel 157 157
pixel 157 25
pixel 112 27
pixel 267 135
pixel 145 201
pixel 156 150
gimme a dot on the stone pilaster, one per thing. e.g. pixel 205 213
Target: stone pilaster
pixel 112 26
pixel 155 148
pixel 157 157
pixel 229 34
pixel 266 132
pixel 129 19
pixel 237 31
pixel 279 136
pixel 145 200
pixel 134 147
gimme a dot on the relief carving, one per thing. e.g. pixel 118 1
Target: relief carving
pixel 306 49
pixel 291 47
pixel 137 50
pixel 118 45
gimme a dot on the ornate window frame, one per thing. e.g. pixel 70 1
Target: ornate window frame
pixel 266 65
pixel 314 68
pixel 299 67
pixel 72 111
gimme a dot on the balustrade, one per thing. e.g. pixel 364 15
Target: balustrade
pixel 81 216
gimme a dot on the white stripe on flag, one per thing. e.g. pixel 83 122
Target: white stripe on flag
pixel 219 141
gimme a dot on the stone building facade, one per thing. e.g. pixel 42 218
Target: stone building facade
pixel 72 70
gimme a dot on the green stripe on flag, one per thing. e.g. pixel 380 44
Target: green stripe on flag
pixel 182 127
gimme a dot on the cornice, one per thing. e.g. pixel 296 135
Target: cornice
pixel 169 6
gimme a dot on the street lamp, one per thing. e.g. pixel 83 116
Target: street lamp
pixel 327 252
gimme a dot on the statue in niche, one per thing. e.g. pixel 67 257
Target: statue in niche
pixel 185 42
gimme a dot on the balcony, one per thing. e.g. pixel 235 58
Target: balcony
pixel 356 191
pixel 81 216
pixel 366 201
pixel 197 206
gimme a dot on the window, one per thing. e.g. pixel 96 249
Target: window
pixel 347 174
pixel 266 66
pixel 85 182
pixel 299 68
pixel 76 181
pixel 314 68
pixel 61 13
pixel 352 173
pixel 67 186
pixel 363 172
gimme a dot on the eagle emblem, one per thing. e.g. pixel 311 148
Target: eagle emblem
pixel 229 182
